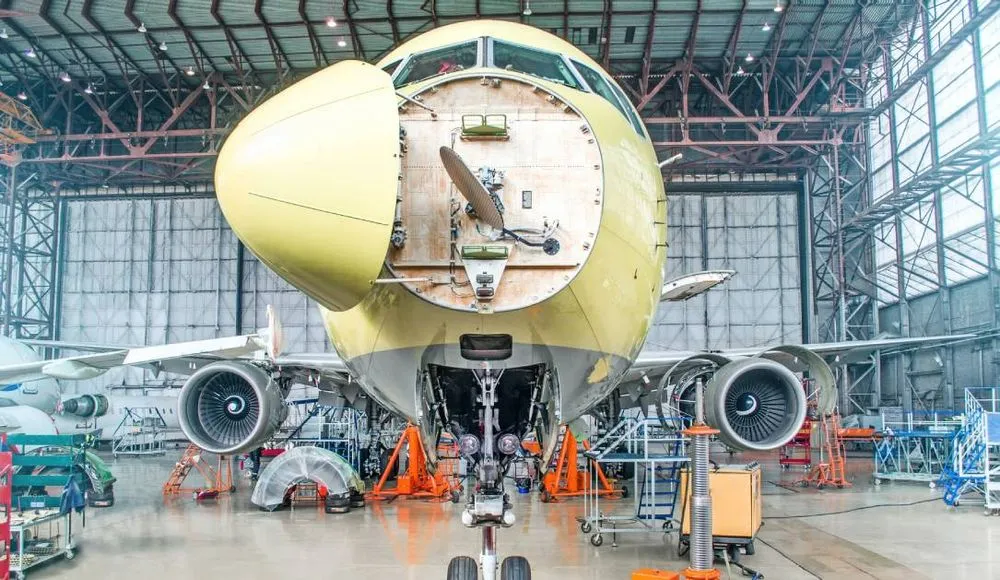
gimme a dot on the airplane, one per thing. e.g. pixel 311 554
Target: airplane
pixel 93 413
pixel 481 217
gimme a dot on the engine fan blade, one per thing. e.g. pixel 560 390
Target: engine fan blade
pixel 471 188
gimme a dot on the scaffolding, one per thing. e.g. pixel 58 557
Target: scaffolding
pixel 915 446
pixel 141 431
pixel 336 429
pixel 976 451
pixel 657 449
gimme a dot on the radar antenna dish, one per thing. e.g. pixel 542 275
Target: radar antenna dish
pixel 471 188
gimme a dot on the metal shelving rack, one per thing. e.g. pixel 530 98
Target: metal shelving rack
pixel 39 531
pixel 6 484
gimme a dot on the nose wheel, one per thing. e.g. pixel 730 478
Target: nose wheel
pixel 512 568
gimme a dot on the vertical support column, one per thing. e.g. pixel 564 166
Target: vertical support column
pixel 992 272
pixel 806 290
pixel 240 256
pixel 7 254
pixel 27 251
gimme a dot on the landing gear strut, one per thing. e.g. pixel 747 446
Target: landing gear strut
pixel 489 506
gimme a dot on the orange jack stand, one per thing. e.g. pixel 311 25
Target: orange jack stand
pixel 217 479
pixel 831 471
pixel 567 479
pixel 417 481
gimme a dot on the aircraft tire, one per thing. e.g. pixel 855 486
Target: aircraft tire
pixel 515 568
pixel 462 568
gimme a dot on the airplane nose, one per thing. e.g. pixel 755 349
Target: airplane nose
pixel 308 181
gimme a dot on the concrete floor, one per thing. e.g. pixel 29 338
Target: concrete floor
pixel 145 538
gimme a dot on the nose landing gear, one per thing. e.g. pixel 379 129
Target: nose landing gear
pixel 489 507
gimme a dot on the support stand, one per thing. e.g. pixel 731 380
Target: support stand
pixel 567 479
pixel 416 481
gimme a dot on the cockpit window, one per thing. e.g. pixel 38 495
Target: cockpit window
pixel 391 67
pixel 602 87
pixel 546 65
pixel 438 62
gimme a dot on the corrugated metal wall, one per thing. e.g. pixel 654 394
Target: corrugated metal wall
pixel 156 271
pixel 756 235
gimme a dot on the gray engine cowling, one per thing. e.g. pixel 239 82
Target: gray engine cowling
pixel 755 403
pixel 230 407
pixel 86 406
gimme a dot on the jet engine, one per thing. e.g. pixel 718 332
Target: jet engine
pixel 230 407
pixel 755 403
pixel 86 406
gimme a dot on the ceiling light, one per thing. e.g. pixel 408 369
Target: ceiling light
pixel 766 27
pixel 527 8
pixel 341 43
pixel 189 71
pixel 778 7
pixel 22 96
pixel 740 71
pixel 3 34
pixel 331 21
pixel 89 89
pixel 30 53
pixel 749 57
pixel 64 77
pixel 163 46
pixel 206 86
pixel 142 27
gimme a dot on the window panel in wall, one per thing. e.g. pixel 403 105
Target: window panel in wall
pixel 954 82
pixel 965 256
pixel 962 205
pixel 914 160
pixel 947 18
pixel 911 116
pixel 957 131
pixel 992 104
pixel 882 182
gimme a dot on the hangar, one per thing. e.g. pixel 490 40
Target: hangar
pixel 839 156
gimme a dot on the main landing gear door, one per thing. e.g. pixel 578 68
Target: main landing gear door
pixel 691 285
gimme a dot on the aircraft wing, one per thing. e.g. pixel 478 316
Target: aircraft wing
pixel 181 358
pixel 657 362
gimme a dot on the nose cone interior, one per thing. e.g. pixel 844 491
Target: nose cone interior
pixel 308 181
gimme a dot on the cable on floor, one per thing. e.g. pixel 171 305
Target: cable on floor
pixel 787 557
pixel 857 509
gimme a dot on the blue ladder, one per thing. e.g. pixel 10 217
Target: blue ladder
pixel 660 505
pixel 954 483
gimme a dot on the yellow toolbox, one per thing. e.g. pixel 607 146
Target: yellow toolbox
pixel 736 501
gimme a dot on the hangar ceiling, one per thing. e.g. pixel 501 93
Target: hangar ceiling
pixel 144 91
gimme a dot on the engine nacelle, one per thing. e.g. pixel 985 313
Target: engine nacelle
pixel 230 407
pixel 86 406
pixel 755 403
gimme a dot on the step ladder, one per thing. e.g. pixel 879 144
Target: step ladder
pixel 217 480
pixel 660 487
pixel 831 471
pixel 968 466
